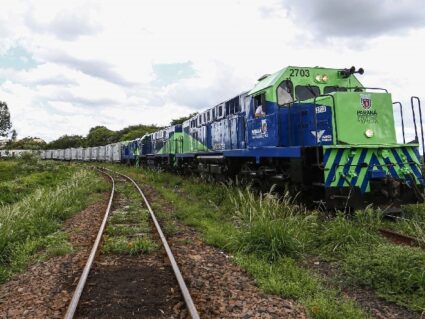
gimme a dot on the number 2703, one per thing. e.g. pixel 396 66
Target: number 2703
pixel 299 72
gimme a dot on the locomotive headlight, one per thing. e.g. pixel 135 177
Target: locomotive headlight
pixel 321 78
pixel 369 133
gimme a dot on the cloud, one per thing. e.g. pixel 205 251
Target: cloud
pixel 66 96
pixel 91 67
pixel 66 25
pixel 58 80
pixel 356 18
pixel 215 84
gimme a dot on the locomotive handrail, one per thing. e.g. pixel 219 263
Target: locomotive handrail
pixel 402 120
pixel 319 164
pixel 366 88
pixel 412 103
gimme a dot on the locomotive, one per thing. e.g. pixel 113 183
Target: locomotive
pixel 314 130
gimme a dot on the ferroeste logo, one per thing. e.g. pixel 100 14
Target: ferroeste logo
pixel 365 101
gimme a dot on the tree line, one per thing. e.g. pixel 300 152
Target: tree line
pixel 98 135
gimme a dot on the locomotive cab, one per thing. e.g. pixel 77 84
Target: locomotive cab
pixel 345 134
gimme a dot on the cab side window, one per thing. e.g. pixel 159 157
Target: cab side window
pixel 260 105
pixel 285 92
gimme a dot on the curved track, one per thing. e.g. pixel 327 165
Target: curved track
pixel 83 279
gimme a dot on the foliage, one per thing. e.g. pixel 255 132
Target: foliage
pixel 339 235
pixel 273 227
pixel 67 141
pixel 180 120
pixel 5 123
pixel 26 223
pixel 22 176
pixel 135 131
pixel 100 135
pixel 27 143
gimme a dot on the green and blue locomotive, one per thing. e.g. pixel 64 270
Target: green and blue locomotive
pixel 316 130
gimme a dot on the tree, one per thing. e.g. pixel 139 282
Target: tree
pixel 5 124
pixel 135 131
pixel 27 143
pixel 180 120
pixel 67 141
pixel 101 135
pixel 14 135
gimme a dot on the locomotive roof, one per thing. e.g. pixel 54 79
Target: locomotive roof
pixel 267 81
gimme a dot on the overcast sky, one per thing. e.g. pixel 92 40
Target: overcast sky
pixel 66 66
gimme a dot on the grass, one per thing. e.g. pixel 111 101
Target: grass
pixel 128 230
pixel 412 222
pixel 285 277
pixel 256 233
pixel 122 245
pixel 23 176
pixel 397 273
pixel 272 238
pixel 28 226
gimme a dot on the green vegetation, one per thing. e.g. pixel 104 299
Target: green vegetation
pixel 23 176
pixel 30 224
pixel 26 143
pixel 412 222
pixel 101 135
pixel 128 230
pixel 396 272
pixel 273 239
pixel 5 123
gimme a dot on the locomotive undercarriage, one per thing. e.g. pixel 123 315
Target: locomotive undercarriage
pixel 303 177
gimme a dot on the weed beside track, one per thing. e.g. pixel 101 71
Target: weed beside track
pixel 30 227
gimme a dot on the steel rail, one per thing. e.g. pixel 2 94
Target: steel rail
pixel 183 288
pixel 399 238
pixel 81 283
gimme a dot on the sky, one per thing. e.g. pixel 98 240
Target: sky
pixel 67 66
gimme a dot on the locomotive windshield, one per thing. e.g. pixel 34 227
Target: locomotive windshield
pixel 330 89
pixel 305 92
pixel 284 92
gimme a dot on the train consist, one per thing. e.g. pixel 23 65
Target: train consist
pixel 317 131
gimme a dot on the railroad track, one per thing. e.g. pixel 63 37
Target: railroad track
pixel 398 238
pixel 73 305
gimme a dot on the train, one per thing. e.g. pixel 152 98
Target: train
pixel 314 131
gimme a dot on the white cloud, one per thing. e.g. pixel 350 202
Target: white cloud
pixel 95 59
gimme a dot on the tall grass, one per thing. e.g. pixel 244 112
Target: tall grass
pixel 40 214
pixel 20 177
pixel 272 226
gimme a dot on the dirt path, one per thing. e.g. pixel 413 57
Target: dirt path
pixel 44 290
